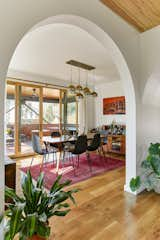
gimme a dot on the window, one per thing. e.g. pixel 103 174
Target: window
pixel 71 112
pixel 51 113
pixel 34 109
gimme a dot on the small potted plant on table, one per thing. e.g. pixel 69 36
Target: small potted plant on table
pixel 28 216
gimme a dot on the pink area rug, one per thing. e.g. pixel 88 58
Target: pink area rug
pixel 100 165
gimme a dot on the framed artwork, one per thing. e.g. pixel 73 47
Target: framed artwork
pixel 114 105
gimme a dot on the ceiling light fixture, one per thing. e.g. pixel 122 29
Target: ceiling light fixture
pixel 71 87
pixel 79 87
pixel 94 94
pixel 79 95
pixel 86 90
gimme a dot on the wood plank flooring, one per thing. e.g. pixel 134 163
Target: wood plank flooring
pixel 105 212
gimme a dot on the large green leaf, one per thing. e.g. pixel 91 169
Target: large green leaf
pixel 10 193
pixel 55 184
pixel 62 213
pixel 43 230
pixel 27 186
pixel 37 193
pixel 146 164
pixel 1 218
pixel 7 236
pixel 15 220
pixel 29 225
pixel 40 180
pixel 155 163
pixel 154 149
pixel 135 183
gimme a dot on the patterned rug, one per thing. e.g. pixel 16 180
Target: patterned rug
pixel 100 165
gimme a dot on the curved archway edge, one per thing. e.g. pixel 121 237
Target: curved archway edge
pixel 117 57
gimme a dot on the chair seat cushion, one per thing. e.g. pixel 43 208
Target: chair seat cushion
pixel 91 148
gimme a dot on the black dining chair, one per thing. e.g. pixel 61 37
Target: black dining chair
pixel 104 140
pixel 37 148
pixel 77 149
pixel 54 135
pixel 95 143
pixel 94 146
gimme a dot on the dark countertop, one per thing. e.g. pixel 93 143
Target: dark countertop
pixel 9 161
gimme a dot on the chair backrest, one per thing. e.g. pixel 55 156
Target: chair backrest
pixel 55 134
pixel 36 144
pixel 80 145
pixel 96 142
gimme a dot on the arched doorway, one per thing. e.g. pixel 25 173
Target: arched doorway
pixel 126 78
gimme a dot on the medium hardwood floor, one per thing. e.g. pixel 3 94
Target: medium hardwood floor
pixel 105 212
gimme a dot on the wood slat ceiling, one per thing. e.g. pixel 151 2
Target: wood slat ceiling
pixel 142 14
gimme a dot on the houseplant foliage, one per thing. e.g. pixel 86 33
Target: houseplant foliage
pixel 150 179
pixel 28 215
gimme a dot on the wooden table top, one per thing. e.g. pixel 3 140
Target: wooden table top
pixel 62 139
pixel 65 138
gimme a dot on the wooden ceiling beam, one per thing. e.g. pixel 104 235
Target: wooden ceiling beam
pixel 143 15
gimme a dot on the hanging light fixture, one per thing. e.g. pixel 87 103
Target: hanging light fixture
pixel 34 94
pixel 79 95
pixel 86 90
pixel 94 94
pixel 71 87
pixel 78 90
pixel 79 86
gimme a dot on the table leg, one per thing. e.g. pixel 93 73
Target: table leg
pixel 58 159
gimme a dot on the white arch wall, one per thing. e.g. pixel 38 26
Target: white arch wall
pixel 150 87
pixel 17 17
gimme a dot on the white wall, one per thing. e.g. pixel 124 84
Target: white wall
pixel 150 87
pixel 18 17
pixel 112 89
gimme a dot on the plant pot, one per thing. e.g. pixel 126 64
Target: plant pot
pixel 36 237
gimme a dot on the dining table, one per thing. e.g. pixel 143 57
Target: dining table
pixel 60 141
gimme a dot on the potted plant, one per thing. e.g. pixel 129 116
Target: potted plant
pixel 150 179
pixel 28 216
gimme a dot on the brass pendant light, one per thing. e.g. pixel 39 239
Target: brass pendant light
pixel 79 95
pixel 94 94
pixel 71 87
pixel 86 89
pixel 78 90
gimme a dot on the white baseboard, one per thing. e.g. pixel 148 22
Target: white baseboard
pixel 127 189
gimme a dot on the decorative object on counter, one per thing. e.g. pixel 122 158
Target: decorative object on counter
pixel 150 176
pixel 93 130
pixel 114 105
pixel 115 128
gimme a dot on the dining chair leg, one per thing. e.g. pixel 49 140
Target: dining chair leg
pixel 103 151
pixel 43 157
pixel 53 158
pixel 78 161
pixel 70 157
pixel 56 158
pixel 31 161
pixel 64 153
pixel 89 161
pixel 99 152
pixel 73 165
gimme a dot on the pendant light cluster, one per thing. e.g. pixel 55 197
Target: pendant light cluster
pixel 78 90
